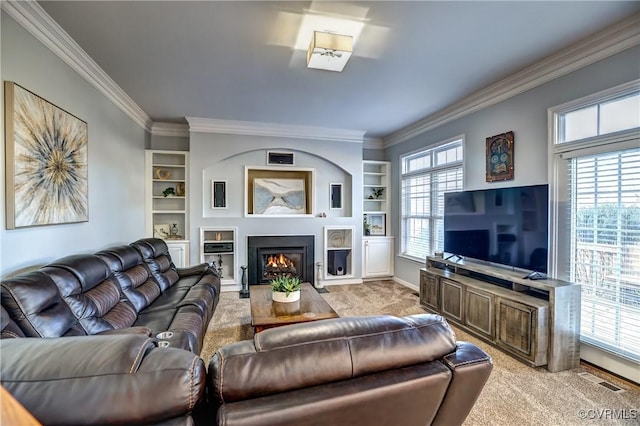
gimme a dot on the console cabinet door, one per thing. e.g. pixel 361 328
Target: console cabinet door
pixel 478 311
pixel 452 299
pixel 517 329
pixel 429 291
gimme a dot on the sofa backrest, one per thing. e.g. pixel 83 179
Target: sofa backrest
pixel 91 292
pixel 8 328
pixel 35 304
pixel 326 351
pixel 155 254
pixel 132 274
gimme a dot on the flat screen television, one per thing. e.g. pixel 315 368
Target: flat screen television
pixel 507 226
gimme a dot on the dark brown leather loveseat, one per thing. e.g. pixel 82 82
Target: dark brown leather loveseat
pixel 85 327
pixel 376 370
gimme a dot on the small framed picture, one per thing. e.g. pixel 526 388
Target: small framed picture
pixel 335 195
pixel 377 224
pixel 218 194
pixel 161 231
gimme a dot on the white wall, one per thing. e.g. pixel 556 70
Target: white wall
pixel 526 115
pixel 224 157
pixel 116 160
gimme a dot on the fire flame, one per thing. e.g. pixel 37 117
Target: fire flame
pixel 279 261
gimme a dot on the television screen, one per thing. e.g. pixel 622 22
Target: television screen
pixel 508 226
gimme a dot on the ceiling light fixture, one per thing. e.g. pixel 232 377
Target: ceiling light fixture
pixel 329 51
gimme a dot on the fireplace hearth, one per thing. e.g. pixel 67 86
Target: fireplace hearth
pixel 271 255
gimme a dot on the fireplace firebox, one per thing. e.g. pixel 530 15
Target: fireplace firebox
pixel 270 256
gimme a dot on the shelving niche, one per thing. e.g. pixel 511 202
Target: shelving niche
pixel 166 170
pixel 220 244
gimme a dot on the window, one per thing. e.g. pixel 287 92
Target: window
pixel 426 176
pixel 596 222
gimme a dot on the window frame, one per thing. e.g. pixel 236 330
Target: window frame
pixel 432 170
pixel 560 155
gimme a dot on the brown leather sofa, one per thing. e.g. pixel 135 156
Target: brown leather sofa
pixel 376 370
pixel 85 331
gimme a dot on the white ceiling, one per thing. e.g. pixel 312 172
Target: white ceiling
pixel 236 61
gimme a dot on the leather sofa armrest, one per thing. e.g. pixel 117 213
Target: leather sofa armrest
pixel 111 379
pixel 139 330
pixel 471 367
pixel 192 270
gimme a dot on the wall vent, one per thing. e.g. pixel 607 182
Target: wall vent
pixel 595 379
pixel 280 158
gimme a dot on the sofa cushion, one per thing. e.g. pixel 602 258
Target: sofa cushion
pixel 132 274
pixel 35 304
pixel 93 294
pixel 326 351
pixel 155 254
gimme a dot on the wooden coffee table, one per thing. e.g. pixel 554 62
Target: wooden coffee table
pixel 267 314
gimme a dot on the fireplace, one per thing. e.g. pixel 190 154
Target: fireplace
pixel 270 256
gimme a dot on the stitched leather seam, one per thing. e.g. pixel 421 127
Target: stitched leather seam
pixel 221 381
pixel 453 365
pixel 191 382
pixel 137 358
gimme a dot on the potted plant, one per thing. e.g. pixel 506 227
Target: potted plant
pixel 285 289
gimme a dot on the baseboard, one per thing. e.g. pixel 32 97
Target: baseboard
pixel 406 284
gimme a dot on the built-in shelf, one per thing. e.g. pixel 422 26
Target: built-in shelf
pixel 218 247
pixel 337 252
pixel 168 170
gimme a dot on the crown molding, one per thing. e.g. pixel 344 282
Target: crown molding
pixel 170 129
pixel 31 16
pixel 373 143
pixel 621 36
pixel 253 128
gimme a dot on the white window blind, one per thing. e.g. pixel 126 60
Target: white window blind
pixel 426 176
pixel 604 194
pixel 596 219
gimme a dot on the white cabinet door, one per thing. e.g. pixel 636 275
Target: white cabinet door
pixel 377 257
pixel 179 252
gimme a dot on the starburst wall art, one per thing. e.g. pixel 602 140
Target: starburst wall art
pixel 46 161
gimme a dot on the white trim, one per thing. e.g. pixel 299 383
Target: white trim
pixel 254 128
pixel 31 16
pixel 170 129
pixel 612 40
pixel 406 284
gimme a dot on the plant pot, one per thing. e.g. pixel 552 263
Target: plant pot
pixel 281 296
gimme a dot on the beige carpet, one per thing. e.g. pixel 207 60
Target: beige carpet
pixel 514 395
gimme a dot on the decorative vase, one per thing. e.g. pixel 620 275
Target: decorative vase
pixel 281 296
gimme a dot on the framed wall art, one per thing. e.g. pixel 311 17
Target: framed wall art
pixel 377 224
pixel 279 196
pixel 499 157
pixel 218 194
pixel 46 161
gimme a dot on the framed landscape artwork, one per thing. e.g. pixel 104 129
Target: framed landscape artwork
pixel 46 162
pixel 277 196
